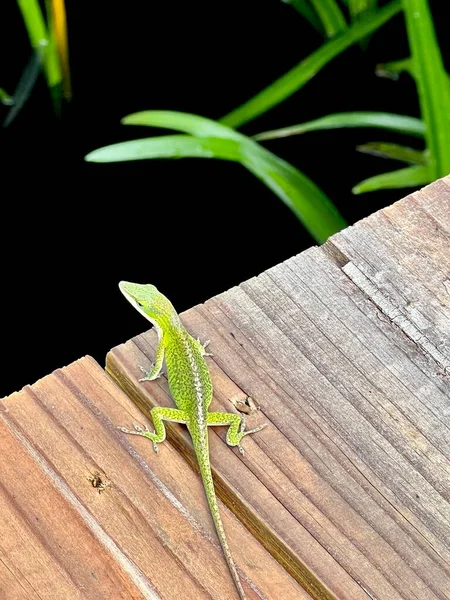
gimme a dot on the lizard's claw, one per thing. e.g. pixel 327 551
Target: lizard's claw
pixel 124 430
pixel 137 430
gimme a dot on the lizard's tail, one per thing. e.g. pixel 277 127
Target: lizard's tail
pixel 208 483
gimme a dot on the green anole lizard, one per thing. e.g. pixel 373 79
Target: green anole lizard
pixel 191 388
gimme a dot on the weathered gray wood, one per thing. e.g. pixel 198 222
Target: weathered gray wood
pixel 400 258
pixel 348 487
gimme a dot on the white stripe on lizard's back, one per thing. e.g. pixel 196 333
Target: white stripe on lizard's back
pixel 197 382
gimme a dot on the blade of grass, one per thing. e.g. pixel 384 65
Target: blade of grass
pixel 40 40
pixel 5 98
pixel 393 69
pixel 388 121
pixel 332 17
pixel 361 8
pixel 408 177
pixel 168 146
pixel 34 22
pixel 293 187
pixel 180 121
pixel 23 89
pixel 304 9
pixel 394 152
pixel 297 191
pixel 56 14
pixel 294 79
pixel 308 202
pixel 432 85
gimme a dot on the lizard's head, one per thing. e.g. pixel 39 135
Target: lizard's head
pixel 148 301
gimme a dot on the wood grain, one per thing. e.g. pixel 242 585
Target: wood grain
pixel 147 535
pixel 344 496
pixel 403 253
pixel 349 486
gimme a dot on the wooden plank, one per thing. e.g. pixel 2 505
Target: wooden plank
pixel 349 485
pixel 399 258
pixel 147 535
pixel 236 484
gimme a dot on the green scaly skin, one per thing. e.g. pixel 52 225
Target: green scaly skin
pixel 191 388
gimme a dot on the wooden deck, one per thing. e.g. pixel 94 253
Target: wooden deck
pixel 344 496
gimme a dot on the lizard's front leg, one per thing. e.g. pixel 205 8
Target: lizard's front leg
pixel 155 371
pixel 159 415
pixel 236 430
pixel 202 347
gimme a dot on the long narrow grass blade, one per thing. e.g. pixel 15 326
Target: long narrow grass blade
pixel 213 140
pixel 168 146
pixel 380 120
pixel 308 202
pixel 361 8
pixel 294 79
pixel 180 121
pixel 394 152
pixel 394 68
pixel 304 9
pixel 432 84
pixel 409 177
pixel 40 40
pixel 5 98
pixel 332 17
pixel 59 32
pixel 23 90
pixel 34 22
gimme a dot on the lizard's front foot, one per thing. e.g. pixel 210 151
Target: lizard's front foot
pixel 204 353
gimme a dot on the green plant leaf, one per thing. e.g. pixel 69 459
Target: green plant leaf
pixel 330 14
pixel 304 9
pixel 294 79
pixel 24 88
pixel 410 177
pixel 5 98
pixel 308 202
pixel 209 139
pixel 180 121
pixel 40 39
pixel 394 152
pixel 168 146
pixel 58 42
pixel 361 8
pixel 432 84
pixel 394 68
pixel 388 121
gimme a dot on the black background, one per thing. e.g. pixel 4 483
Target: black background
pixel 71 230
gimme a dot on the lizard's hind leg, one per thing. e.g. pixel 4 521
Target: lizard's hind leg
pixel 236 430
pixel 159 415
